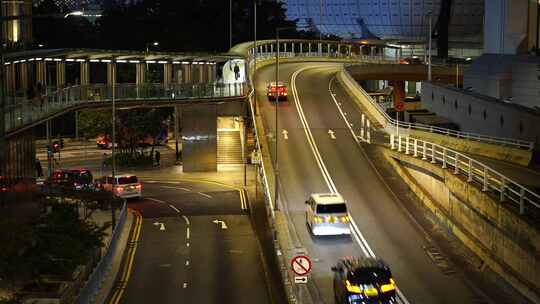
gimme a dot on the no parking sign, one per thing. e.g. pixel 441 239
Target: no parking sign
pixel 301 265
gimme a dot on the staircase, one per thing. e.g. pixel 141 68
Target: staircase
pixel 229 148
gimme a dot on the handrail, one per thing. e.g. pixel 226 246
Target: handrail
pixel 489 178
pixel 22 111
pixel 522 144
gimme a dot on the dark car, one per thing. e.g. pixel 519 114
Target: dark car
pixel 71 179
pixel 363 280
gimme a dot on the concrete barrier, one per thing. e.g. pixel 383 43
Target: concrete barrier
pixel 495 151
pixel 508 244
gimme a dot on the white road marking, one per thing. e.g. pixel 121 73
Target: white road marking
pixel 361 241
pixel 205 195
pixel 308 133
pixel 332 134
pixel 187 262
pixel 174 208
pixel 176 188
pixel 185 285
pixel 187 244
pixel 186 219
pixel 161 226
pixel 187 233
pixel 357 233
pixel 285 134
pixel 156 200
pixel 222 224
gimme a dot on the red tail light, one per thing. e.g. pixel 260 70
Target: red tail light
pixel 138 187
pixel 119 189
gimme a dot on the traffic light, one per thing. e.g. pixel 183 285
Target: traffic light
pixel 56 147
pixel 49 150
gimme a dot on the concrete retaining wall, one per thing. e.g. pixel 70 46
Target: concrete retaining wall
pixel 505 241
pixel 506 153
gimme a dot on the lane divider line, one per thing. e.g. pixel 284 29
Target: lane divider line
pixel 156 200
pixel 174 208
pixel 204 194
pixel 400 294
pixel 130 257
pixel 361 241
pixel 309 135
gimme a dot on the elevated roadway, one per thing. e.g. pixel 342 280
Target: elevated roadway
pixel 310 160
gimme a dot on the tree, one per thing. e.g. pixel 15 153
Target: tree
pixel 95 122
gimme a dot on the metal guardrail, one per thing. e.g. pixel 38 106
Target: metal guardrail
pixel 517 143
pixel 88 293
pixel 23 111
pixel 475 171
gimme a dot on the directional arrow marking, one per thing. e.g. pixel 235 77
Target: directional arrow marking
pixel 331 133
pixel 285 134
pixel 161 226
pixel 222 223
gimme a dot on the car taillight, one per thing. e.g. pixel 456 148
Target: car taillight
pixel 119 189
pixel 344 219
pixel 3 189
pixel 318 220
pixel 138 187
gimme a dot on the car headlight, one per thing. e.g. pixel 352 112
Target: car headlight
pixel 388 287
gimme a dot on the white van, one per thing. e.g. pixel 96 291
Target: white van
pixel 326 214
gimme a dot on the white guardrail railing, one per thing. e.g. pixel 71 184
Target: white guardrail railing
pixel 474 171
pixel 517 143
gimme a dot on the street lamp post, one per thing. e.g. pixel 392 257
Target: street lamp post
pixel 230 24
pixel 113 149
pixel 429 48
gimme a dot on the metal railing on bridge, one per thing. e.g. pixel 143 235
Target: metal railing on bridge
pixel 23 111
pixel 393 123
pixel 475 171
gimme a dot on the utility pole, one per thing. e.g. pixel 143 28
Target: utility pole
pixel 113 149
pixel 429 48
pixel 276 135
pixel 230 24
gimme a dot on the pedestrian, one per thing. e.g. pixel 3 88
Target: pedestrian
pixel 39 168
pixel 158 157
pixel 236 71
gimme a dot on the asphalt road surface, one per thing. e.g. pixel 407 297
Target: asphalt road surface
pixel 196 246
pixel 334 161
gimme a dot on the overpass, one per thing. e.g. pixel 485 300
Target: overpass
pixel 316 163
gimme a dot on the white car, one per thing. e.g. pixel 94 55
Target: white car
pixel 125 186
pixel 326 214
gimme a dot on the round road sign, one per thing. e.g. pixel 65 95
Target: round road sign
pixel 400 106
pixel 301 265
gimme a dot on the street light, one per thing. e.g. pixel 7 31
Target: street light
pixel 276 168
pixel 155 44
pixel 75 13
pixel 429 48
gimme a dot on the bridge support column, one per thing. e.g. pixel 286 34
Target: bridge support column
pixel 18 167
pixel 199 138
pixel 111 73
pixel 140 71
pixel 328 49
pixel 24 76
pixel 272 48
pixel 85 79
pixel 372 51
pixel 41 73
pixel 167 74
pixel 60 75
pixel 292 47
pixel 320 49
pixel 349 51
pixel 399 91
pixel 301 51
pixel 10 78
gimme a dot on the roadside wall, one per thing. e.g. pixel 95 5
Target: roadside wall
pixel 505 241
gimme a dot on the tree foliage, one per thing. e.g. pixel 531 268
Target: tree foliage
pixel 186 25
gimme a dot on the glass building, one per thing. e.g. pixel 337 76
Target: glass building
pixel 399 20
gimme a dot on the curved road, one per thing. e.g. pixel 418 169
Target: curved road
pixel 183 256
pixel 342 166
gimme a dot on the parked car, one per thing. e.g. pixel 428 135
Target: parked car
pixel 71 179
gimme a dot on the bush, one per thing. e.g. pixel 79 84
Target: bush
pixel 127 160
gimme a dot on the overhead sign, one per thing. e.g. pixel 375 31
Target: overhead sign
pixel 301 265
